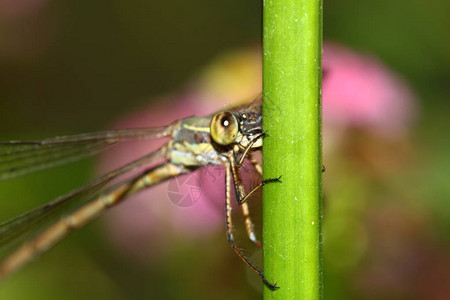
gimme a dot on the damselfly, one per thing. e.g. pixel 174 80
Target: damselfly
pixel 225 138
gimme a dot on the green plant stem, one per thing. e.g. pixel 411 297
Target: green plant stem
pixel 292 45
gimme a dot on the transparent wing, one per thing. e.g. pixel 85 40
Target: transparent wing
pixel 18 158
pixel 27 225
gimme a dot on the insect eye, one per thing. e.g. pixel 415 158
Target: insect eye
pixel 224 128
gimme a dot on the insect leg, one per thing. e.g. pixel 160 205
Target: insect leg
pixel 247 149
pixel 241 196
pixel 255 164
pixel 229 230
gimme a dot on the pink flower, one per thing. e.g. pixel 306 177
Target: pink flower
pixel 359 91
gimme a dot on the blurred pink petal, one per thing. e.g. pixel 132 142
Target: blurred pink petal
pixel 359 91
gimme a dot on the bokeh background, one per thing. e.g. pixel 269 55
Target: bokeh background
pixel 68 67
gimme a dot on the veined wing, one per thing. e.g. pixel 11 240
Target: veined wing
pixel 248 104
pixel 29 224
pixel 18 158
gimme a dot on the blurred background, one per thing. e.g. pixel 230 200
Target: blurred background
pixel 69 67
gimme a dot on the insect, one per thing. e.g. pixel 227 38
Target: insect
pixel 225 138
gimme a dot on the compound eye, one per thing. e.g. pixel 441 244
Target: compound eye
pixel 224 128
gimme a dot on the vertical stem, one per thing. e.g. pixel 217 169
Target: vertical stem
pixel 292 46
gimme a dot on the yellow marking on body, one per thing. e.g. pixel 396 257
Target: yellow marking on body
pixel 205 148
pixel 193 150
pixel 200 148
pixel 195 128
pixel 108 200
pixel 151 178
